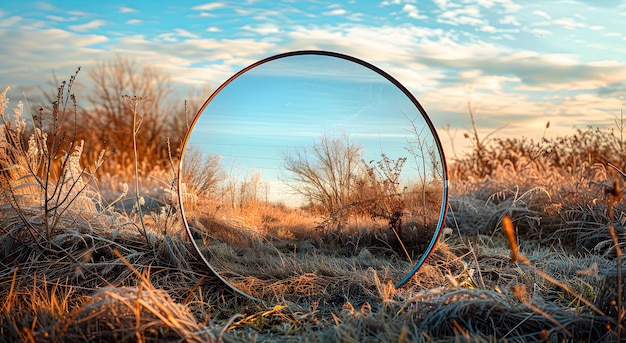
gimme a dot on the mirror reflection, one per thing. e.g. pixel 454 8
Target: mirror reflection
pixel 308 168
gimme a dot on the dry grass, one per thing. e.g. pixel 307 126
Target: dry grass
pixel 95 277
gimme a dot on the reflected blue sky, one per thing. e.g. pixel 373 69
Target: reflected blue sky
pixel 290 103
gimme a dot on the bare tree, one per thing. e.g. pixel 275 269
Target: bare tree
pixel 237 191
pixel 109 118
pixel 325 173
pixel 249 190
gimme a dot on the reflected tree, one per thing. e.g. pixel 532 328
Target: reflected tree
pixel 325 173
pixel 250 190
pixel 426 162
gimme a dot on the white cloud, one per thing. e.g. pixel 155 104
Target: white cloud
pixel 166 38
pixel 356 16
pixel 542 14
pixel 176 57
pixel 134 22
pixel 485 3
pixel 395 2
pixel 263 29
pixel 468 15
pixel 78 13
pixel 518 115
pixel 493 83
pixel 44 51
pixel 62 19
pixel 213 29
pixel 590 105
pixel 92 25
pixel 336 11
pixel 510 6
pixel 245 12
pixel 125 9
pixel 389 3
pixel 471 74
pixel 172 37
pixel 11 21
pixel 184 33
pixel 266 15
pixel 208 6
pixel 90 40
pixel 509 20
pixel 507 5
pixel 378 43
pixel 413 12
pixel 569 23
pixel 560 59
pixel 444 4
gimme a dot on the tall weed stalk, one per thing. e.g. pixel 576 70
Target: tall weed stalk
pixel 41 175
pixel 134 102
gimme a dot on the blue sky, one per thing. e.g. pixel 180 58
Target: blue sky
pixel 521 63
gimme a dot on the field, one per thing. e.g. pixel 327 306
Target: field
pixel 532 251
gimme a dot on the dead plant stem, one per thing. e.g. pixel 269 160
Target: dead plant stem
pixel 137 120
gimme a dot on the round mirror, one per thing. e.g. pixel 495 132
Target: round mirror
pixel 308 168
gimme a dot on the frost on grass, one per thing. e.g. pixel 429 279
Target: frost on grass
pixel 94 277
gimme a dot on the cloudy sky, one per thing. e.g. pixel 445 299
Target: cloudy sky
pixel 520 63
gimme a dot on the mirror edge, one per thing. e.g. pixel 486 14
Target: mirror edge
pixel 444 202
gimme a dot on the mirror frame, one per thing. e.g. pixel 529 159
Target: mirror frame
pixel 444 202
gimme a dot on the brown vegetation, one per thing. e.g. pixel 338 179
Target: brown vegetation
pixel 72 269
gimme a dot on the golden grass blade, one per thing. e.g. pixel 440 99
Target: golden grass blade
pixel 509 232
